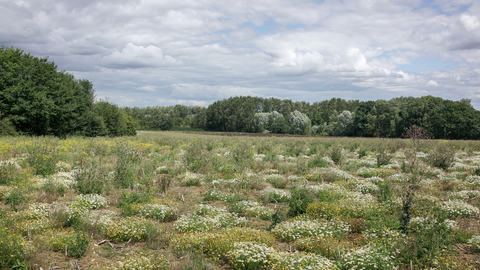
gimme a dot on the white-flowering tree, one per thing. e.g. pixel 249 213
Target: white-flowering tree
pixel 300 123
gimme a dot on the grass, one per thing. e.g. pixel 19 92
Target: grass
pixel 199 201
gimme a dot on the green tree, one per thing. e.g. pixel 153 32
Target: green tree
pixel 38 99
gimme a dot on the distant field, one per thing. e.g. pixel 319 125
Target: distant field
pixel 201 200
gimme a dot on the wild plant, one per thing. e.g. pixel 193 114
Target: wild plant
pixel 442 157
pixel 125 175
pixel 42 157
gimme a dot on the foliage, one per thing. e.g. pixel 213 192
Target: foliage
pixel 300 198
pixel 442 157
pixel 12 247
pixel 300 123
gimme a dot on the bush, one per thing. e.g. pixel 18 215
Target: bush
pixel 300 198
pixel 11 248
pixel 43 158
pixel 336 154
pixel 89 181
pixel 197 158
pixel 442 157
pixel 79 245
pixel 10 172
pixel 125 175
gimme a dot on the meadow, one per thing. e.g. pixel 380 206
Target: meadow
pixel 173 200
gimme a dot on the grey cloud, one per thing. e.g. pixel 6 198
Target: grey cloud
pixel 140 53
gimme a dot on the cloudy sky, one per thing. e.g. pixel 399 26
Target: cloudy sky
pixel 151 52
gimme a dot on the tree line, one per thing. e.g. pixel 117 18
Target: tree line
pixel 441 118
pixel 37 99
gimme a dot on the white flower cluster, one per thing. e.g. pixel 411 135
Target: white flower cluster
pixel 157 211
pixel 367 257
pixel 91 201
pixel 63 166
pixel 258 157
pixel 192 178
pixel 464 194
pixel 459 208
pixel 421 223
pixel 249 255
pixel 475 243
pixel 292 230
pixel 161 170
pixel 9 164
pixel 460 167
pixel 473 180
pixel 276 194
pixel 100 217
pixel 376 179
pixel 366 187
pixel 208 218
pixel 5 191
pixel 367 161
pixel 254 209
pixel 65 179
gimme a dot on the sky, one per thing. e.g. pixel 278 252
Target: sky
pixel 156 53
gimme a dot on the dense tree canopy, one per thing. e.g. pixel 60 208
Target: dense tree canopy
pixel 36 99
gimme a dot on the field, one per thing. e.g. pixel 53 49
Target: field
pixel 172 200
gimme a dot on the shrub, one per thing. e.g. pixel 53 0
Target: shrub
pixel 336 154
pixel 125 176
pixel 89 181
pixel 12 248
pixel 300 198
pixel 78 245
pixel 43 158
pixel 196 157
pixel 443 157
pixel 91 201
pixel 10 172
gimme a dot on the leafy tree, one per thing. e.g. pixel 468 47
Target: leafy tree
pixel 300 123
pixel 344 123
pixel 6 127
pixel 38 99
pixel 279 125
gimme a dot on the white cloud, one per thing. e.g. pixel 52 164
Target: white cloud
pixel 179 51
pixel 470 22
pixel 432 83
pixel 138 57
